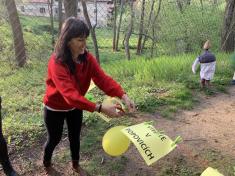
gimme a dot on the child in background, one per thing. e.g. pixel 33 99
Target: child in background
pixel 207 63
pixel 233 81
pixel 233 67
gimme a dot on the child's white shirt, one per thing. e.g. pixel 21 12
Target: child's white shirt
pixel 194 66
pixel 207 70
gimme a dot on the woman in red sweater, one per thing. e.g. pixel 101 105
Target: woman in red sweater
pixel 70 70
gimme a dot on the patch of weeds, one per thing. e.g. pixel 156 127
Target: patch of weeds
pixel 93 133
pixel 145 99
pixel 92 136
pixel 63 156
pixel 110 166
pixel 91 148
pixel 90 118
pixel 179 171
pixel 221 88
pixel 225 164
pixel 25 136
pixel 165 112
pixel 209 91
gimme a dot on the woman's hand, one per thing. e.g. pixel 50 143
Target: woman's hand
pixel 129 103
pixel 112 110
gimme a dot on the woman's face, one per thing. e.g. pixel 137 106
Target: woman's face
pixel 77 45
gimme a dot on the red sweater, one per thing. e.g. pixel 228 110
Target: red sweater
pixel 66 91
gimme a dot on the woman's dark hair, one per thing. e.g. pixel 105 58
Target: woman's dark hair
pixel 72 28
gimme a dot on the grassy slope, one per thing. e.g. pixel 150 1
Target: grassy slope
pixel 164 84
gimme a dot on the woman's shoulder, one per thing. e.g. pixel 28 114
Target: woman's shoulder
pixel 91 57
pixel 54 62
pixel 52 57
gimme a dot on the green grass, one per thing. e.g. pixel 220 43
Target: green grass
pixel 225 164
pixel 37 25
pixel 163 84
pixel 91 142
pixel 165 81
pixel 93 157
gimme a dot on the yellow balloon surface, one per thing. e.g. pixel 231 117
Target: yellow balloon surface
pixel 113 100
pixel 114 142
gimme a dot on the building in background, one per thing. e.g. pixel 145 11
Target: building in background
pixel 100 12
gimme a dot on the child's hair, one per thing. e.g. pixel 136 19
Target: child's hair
pixel 207 45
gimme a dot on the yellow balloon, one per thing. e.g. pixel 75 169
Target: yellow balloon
pixel 115 142
pixel 113 100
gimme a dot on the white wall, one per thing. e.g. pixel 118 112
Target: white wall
pixel 41 9
pixel 35 9
pixel 102 13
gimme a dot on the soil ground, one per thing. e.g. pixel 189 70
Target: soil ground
pixel 208 132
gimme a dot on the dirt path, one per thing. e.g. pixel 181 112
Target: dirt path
pixel 209 140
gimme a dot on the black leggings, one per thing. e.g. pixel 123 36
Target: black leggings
pixel 4 159
pixel 54 122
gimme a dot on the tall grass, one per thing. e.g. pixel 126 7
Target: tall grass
pixel 165 68
pixel 166 81
pixel 163 85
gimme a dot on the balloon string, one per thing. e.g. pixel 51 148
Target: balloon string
pixel 177 141
pixel 104 117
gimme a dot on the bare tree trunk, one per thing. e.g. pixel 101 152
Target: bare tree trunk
pixel 202 8
pixel 119 24
pixel 153 28
pixel 141 29
pixel 188 2
pixel 50 8
pixel 148 24
pixel 70 7
pixel 114 24
pixel 17 33
pixel 96 11
pixel 202 40
pixel 186 37
pixel 93 35
pixel 128 34
pixel 3 11
pixel 180 5
pixel 60 14
pixel 228 31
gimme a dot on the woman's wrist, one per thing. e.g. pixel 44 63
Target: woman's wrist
pixel 98 108
pixel 124 96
